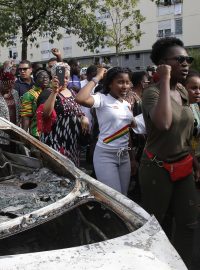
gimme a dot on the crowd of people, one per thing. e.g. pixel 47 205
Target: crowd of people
pixel 142 128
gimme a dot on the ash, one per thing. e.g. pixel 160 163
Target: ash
pixel 21 194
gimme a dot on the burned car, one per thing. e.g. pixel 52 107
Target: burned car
pixel 53 215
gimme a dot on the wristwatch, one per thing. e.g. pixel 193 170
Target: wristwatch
pixel 95 80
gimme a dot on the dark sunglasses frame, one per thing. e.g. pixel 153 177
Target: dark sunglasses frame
pixel 24 69
pixel 181 59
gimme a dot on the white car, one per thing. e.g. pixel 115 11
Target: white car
pixel 54 216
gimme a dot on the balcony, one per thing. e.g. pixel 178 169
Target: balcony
pixel 172 7
pixel 169 2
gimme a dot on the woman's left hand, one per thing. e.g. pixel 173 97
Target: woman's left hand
pixel 196 168
pixel 134 167
pixel 85 124
pixel 197 174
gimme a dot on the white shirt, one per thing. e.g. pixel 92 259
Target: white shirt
pixel 83 83
pixel 114 118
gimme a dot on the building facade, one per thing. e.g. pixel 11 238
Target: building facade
pixel 177 18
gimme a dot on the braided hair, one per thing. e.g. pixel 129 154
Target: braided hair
pixel 111 74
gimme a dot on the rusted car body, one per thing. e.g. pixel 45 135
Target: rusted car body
pixel 79 223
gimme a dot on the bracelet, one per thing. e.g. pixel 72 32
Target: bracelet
pixel 95 80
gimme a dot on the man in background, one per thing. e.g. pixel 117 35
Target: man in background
pixel 25 81
pixel 74 82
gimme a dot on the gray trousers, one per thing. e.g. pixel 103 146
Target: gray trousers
pixel 112 169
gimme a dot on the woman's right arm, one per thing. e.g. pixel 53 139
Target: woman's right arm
pixel 161 113
pixel 84 97
pixel 50 102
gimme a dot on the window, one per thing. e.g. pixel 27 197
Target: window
pixel 160 33
pixel 45 49
pixel 126 56
pixel 96 60
pixel 165 3
pixel 107 59
pixel 137 42
pixel 167 32
pixel 137 56
pixel 15 55
pixel 167 7
pixel 164 33
pixel 178 26
pixel 164 28
pixel 10 54
pixel 176 1
pixel 138 26
pixel 169 2
pixel 67 46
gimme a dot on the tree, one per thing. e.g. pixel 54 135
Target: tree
pixel 196 54
pixel 123 24
pixel 34 18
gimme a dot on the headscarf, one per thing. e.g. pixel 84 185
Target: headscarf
pixel 7 78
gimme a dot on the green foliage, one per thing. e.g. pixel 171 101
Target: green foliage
pixel 35 17
pixel 123 18
pixel 196 54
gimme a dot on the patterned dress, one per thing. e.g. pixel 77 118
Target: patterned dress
pixel 65 132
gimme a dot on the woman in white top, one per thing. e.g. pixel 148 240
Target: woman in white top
pixel 111 159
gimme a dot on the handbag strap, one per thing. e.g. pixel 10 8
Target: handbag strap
pixel 152 157
pixel 149 154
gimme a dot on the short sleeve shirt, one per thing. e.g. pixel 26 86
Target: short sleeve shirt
pixel 29 107
pixel 114 118
pixel 175 143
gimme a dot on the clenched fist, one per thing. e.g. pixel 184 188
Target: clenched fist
pixel 164 71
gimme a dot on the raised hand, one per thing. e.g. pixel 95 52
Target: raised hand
pixel 101 73
pixel 56 85
pixel 56 52
pixel 164 71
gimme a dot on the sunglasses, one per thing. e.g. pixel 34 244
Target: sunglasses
pixel 23 69
pixel 181 59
